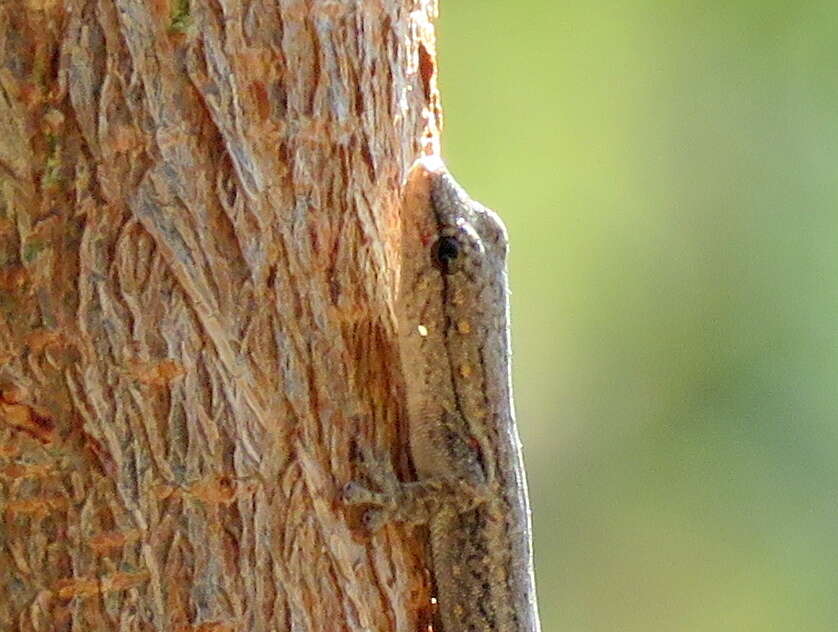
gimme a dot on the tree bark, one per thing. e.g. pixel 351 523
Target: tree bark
pixel 199 229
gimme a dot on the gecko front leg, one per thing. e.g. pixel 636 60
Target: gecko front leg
pixel 389 499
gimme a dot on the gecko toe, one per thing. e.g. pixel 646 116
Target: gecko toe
pixel 378 512
pixel 354 493
pixel 374 519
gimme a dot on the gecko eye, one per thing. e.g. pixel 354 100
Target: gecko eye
pixel 445 252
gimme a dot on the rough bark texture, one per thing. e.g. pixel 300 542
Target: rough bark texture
pixel 198 251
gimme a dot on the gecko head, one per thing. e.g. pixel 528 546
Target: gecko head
pixel 470 235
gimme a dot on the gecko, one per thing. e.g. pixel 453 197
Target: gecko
pixel 453 323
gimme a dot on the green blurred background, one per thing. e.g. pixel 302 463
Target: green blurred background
pixel 667 172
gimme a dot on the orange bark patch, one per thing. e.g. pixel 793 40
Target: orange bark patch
pixel 164 491
pixel 9 450
pixel 39 339
pixel 7 228
pixel 125 138
pixel 157 374
pixel 259 94
pixel 89 587
pixel 123 581
pixel 214 490
pixel 13 393
pixel 112 540
pixel 13 278
pixel 38 505
pixel 69 588
pixel 17 470
pixel 24 418
pixel 213 626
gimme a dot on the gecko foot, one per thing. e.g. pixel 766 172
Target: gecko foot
pixel 375 516
pixel 381 505
pixel 389 499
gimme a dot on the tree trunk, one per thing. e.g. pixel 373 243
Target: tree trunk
pixel 199 230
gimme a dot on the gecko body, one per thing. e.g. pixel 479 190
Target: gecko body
pixel 454 345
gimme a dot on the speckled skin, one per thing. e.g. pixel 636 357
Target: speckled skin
pixel 471 489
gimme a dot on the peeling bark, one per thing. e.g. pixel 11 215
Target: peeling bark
pixel 199 228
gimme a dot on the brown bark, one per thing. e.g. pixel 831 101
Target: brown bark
pixel 198 236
